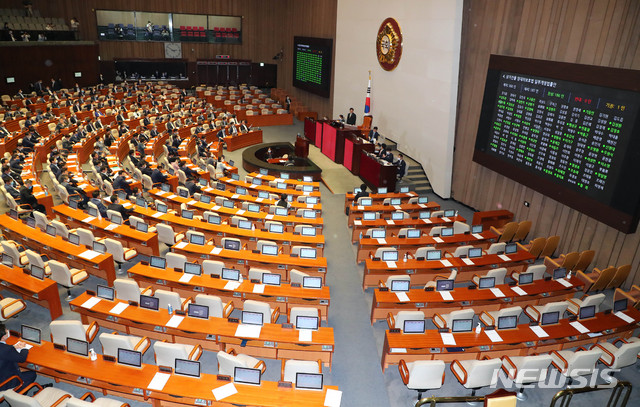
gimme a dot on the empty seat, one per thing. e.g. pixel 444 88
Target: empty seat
pixel 61 330
pixel 215 305
pixel 167 353
pixel 128 289
pixel 422 375
pixel 526 369
pixel 576 363
pixel 268 315
pixel 474 374
pixel 172 298
pixel 10 307
pixel 111 342
pixel 574 304
pixel 48 397
pixel 175 260
pixel 534 312
pixel 490 318
pixel 397 321
pixel 445 321
pixel 61 274
pixel 291 368
pixel 227 362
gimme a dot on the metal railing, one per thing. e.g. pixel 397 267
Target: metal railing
pixel 433 400
pixel 563 397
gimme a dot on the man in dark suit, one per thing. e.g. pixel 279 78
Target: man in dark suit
pixel 373 135
pixel 98 203
pixel 10 356
pixel 157 176
pixel 121 183
pixel 363 193
pixel 115 206
pixel 402 166
pixel 351 117
pixel 27 197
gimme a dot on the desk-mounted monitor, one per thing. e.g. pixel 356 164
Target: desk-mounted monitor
pixel 308 231
pixel 424 214
pixel 253 208
pixel 232 245
pixel 390 255
pixel 434 254
pixel 414 326
pixel 203 182
pixel 280 211
pixel 106 293
pixel 37 272
pixel 251 318
pixel 141 202
pixel 404 190
pixel 264 171
pixel 162 208
pixel 550 318
pixel 306 322
pixel 230 274
pixel 166 187
pixel 149 302
pixel 423 199
pixel 245 375
pixel 413 233
pixel 444 232
pixel 487 282
pixel 51 230
pixel 395 201
pixel 73 204
pixel 99 247
pixel 312 200
pixel 77 347
pixel 271 279
pixel 507 322
pixel 31 334
pixel 309 214
pixel 307 188
pixel 244 224
pixel 187 367
pixel 142 227
pixel 307 178
pixel 276 228
pixel 256 181
pixel 378 233
pixel 187 214
pixel 369 216
pixel 231 163
pixel 206 199
pixel 198 311
pixel 183 193
pixel 193 268
pixel 620 305
pixel 308 253
pixel 559 273
pixel 309 381
pixel 476 229
pixel 383 190
pixel 365 201
pixel 474 252
pixel 397 215
pixel 587 312
pixel 525 278
pixel 221 187
pixel 311 282
pixel 284 175
pixel 116 218
pixel 281 185
pixel 444 285
pixel 74 239
pixel 31 222
pixel 511 248
pixel 270 249
pixel 235 177
pixel 462 325
pixel 158 262
pixel 241 190
pixel 129 357
pixel 400 285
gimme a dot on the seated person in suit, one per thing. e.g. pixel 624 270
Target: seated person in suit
pixel 98 202
pixel 388 157
pixel 72 189
pixel 27 197
pixel 373 135
pixel 10 356
pixel 383 151
pixel 115 206
pixel 283 201
pixel 121 183
pixel 157 176
pixel 192 186
pixel 363 193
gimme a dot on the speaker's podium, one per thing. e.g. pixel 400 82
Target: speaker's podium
pixel 377 173
pixel 302 147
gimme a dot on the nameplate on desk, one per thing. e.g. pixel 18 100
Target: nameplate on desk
pixel 89 254
pixel 402 296
pixel 624 317
pixel 493 335
pixel 539 331
pixel 159 381
pixel 111 226
pixel 564 282
pixel 504 257
pixel 174 321
pixel 88 304
pixel 468 262
pixel 398 350
pixel 357 222
pixel 119 308
pixel 248 331
pixel 391 264
pixel 181 245
pixel 216 250
pixel 579 327
pixel 518 291
pixel 232 285
pixel 447 338
pixel 446 263
pixel 88 219
pixel 438 240
pixel 225 391
pixel 258 288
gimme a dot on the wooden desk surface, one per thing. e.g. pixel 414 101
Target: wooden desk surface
pixel 520 341
pixel 356 211
pixel 267 188
pixel 32 288
pixel 133 383
pixel 145 243
pixel 422 271
pixel 233 258
pixel 407 245
pixel 174 201
pixel 254 199
pixel 283 294
pixel 243 140
pixel 293 182
pixel 59 249
pixel 348 198
pixel 430 302
pixel 394 226
pixel 275 342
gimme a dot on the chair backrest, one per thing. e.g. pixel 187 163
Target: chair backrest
pixel 235 219
pixel 538 271
pixel 550 246
pixel 595 299
pixel 460 227
pixel 292 367
pixel 604 279
pixel 508 232
pixel 509 312
pixel 481 373
pixel 532 369
pixel 620 277
pixel 522 231
pixel 626 355
pixel 167 353
pixel 536 246
pixel 426 374
pixel 168 297
pixel 212 267
pixel 498 273
pixel 115 248
pixel 496 248
pixel 213 302
pixel 226 239
pixel 256 273
pixel 166 234
pixel 391 279
pixel 41 219
pixel 259 306
pixel 402 316
pixel 458 314
pixel 61 229
pixel 297 276
pixel 261 243
pixel 20 400
pixel 60 273
pixel 422 251
pixel 585 259
pixel 569 261
pixel 227 363
pixel 294 312
pixel 34 258
pixel 175 260
pixel 462 250
pixel 85 236
pixel 63 329
pixel 583 362
pixel 126 289
pixel 560 306
pixel 111 342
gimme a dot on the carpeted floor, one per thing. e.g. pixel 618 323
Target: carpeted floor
pixel 356 364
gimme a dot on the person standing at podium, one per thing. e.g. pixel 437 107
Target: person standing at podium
pixel 351 117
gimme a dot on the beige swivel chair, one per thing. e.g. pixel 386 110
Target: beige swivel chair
pixel 173 298
pixel 63 329
pixel 48 397
pixel 167 236
pixel 291 367
pixel 295 312
pixel 166 353
pixel 61 274
pixel 228 361
pixel 111 342
pixel 269 315
pixel 525 370
pixel 397 321
pixel 128 289
pixel 572 364
pixel 10 307
pixel 446 320
pixel 215 305
pixel 175 260
pixel 422 375
pixel 474 374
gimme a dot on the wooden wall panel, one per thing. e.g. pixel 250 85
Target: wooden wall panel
pixel 268 26
pixel 597 32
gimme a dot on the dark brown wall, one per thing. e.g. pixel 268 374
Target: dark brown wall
pixel 268 26
pixel 32 62
pixel 595 32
